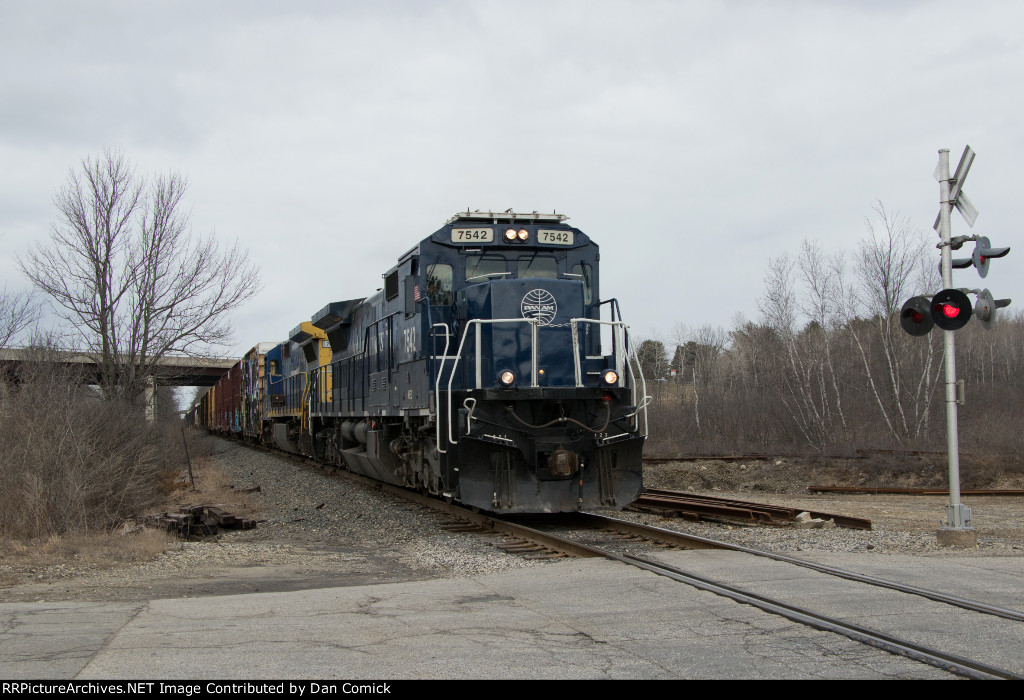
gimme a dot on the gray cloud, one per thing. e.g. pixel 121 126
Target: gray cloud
pixel 691 140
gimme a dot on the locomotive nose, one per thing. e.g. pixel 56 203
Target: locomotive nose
pixel 513 343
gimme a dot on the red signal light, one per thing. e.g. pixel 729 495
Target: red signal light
pixel 916 316
pixel 951 309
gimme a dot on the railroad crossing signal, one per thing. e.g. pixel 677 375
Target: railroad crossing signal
pixel 986 307
pixel 916 316
pixel 957 196
pixel 951 309
pixel 983 253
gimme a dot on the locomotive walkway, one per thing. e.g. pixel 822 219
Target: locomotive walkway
pixel 571 619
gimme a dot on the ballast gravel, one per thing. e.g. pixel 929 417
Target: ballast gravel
pixel 317 528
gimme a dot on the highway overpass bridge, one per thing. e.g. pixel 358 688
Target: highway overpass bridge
pixel 171 371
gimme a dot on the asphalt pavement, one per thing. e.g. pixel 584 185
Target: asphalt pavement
pixel 573 619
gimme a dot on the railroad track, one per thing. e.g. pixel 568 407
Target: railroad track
pixel 542 539
pixel 643 546
pixel 659 539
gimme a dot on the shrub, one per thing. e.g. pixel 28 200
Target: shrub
pixel 70 461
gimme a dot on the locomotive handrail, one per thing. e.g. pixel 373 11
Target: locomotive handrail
pixel 643 386
pixel 615 311
pixel 478 322
pixel 642 404
pixel 643 392
pixel 618 351
pixel 289 394
pixel 437 382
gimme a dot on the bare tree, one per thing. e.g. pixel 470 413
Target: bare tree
pixel 822 277
pixel 807 388
pixel 698 353
pixel 892 265
pixel 652 358
pixel 123 267
pixel 17 311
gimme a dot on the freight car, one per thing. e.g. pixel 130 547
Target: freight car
pixel 482 372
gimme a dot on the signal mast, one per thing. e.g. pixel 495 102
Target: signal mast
pixel 950 310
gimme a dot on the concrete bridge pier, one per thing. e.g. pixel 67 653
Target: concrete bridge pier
pixel 150 398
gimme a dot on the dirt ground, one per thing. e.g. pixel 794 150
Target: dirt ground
pixel 785 481
pixel 138 565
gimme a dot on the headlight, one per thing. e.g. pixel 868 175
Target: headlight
pixel 507 378
pixel 510 235
pixel 610 377
pixel 523 234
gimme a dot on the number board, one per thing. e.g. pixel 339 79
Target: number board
pixel 472 235
pixel 554 237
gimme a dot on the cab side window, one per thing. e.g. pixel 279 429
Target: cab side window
pixel 439 284
pixel 586 275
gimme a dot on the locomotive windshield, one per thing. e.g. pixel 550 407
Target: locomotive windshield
pixel 481 267
pixel 537 267
pixel 490 265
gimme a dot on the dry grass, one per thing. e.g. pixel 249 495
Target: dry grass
pixel 212 487
pixel 64 555
pixel 71 462
pixel 76 472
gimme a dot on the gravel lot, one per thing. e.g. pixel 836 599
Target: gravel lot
pixel 319 529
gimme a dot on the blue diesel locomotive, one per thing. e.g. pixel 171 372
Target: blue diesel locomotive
pixel 482 372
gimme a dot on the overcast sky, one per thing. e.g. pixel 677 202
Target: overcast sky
pixel 691 140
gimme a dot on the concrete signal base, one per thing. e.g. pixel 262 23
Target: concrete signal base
pixel 957 536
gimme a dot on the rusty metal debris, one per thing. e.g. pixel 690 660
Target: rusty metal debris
pixel 198 521
pixel 694 506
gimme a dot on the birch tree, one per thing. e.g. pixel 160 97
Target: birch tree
pixel 892 265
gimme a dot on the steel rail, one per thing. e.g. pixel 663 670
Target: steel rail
pixel 858 453
pixel 680 539
pixel 934 657
pixel 695 541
